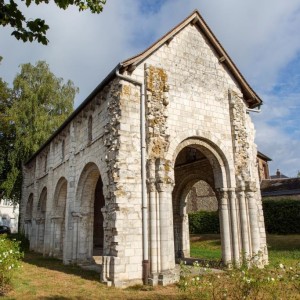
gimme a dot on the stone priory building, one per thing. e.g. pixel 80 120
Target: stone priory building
pixel 113 180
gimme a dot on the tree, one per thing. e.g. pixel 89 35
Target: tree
pixel 29 30
pixel 40 102
pixel 6 131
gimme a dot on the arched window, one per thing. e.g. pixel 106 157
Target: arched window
pixel 90 129
pixel 63 150
pixel 45 163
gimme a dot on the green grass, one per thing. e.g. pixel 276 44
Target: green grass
pixel 283 249
pixel 206 246
pixel 47 278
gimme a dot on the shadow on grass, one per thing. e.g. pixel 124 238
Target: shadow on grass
pixel 56 265
pixel 55 298
pixel 283 242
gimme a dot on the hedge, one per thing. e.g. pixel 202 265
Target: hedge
pixel 282 216
pixel 204 222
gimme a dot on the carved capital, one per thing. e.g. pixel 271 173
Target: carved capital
pixel 164 187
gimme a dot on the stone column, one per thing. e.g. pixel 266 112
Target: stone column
pixel 253 218
pixel 225 226
pixel 234 226
pixel 153 232
pixel 165 214
pixel 75 221
pixel 52 236
pixel 185 236
pixel 244 222
pixel 70 199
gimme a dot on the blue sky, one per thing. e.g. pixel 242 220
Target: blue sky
pixel 261 36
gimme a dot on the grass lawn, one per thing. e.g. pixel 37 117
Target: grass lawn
pixel 283 249
pixel 48 278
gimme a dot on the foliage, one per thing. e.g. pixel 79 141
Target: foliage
pixel 10 257
pixel 204 222
pixel 40 102
pixel 36 29
pixel 280 282
pixel 22 239
pixel 282 217
pixel 6 131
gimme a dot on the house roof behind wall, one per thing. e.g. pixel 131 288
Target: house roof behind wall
pixel 195 18
pixel 280 187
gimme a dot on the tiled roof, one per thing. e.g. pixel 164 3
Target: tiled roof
pixel 280 187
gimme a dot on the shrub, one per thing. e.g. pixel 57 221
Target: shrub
pixel 282 217
pixel 204 222
pixel 280 282
pixel 23 240
pixel 10 256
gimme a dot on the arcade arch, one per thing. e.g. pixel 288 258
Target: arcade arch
pixel 57 230
pixel 197 161
pixel 88 239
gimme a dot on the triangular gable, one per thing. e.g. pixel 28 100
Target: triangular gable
pixel 195 18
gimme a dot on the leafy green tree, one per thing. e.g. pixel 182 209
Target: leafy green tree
pixel 29 30
pixel 40 103
pixel 7 134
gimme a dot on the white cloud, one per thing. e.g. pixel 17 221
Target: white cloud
pixel 261 36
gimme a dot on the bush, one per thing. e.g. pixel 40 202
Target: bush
pixel 280 282
pixel 204 222
pixel 10 257
pixel 23 241
pixel 282 217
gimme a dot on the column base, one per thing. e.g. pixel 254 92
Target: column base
pixel 153 279
pixel 169 277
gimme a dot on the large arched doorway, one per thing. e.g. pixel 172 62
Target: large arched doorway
pixel 197 161
pixel 58 218
pixel 194 190
pixel 40 221
pixel 88 238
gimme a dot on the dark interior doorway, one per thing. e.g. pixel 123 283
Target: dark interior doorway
pixel 98 233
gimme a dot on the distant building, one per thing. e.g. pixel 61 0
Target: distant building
pixel 262 166
pixel 278 175
pixel 9 214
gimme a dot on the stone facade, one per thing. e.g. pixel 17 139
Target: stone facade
pixel 114 179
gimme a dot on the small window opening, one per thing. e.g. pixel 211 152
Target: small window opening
pixel 90 129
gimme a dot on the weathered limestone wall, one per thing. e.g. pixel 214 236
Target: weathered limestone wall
pixel 196 101
pixel 191 100
pixel 115 151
